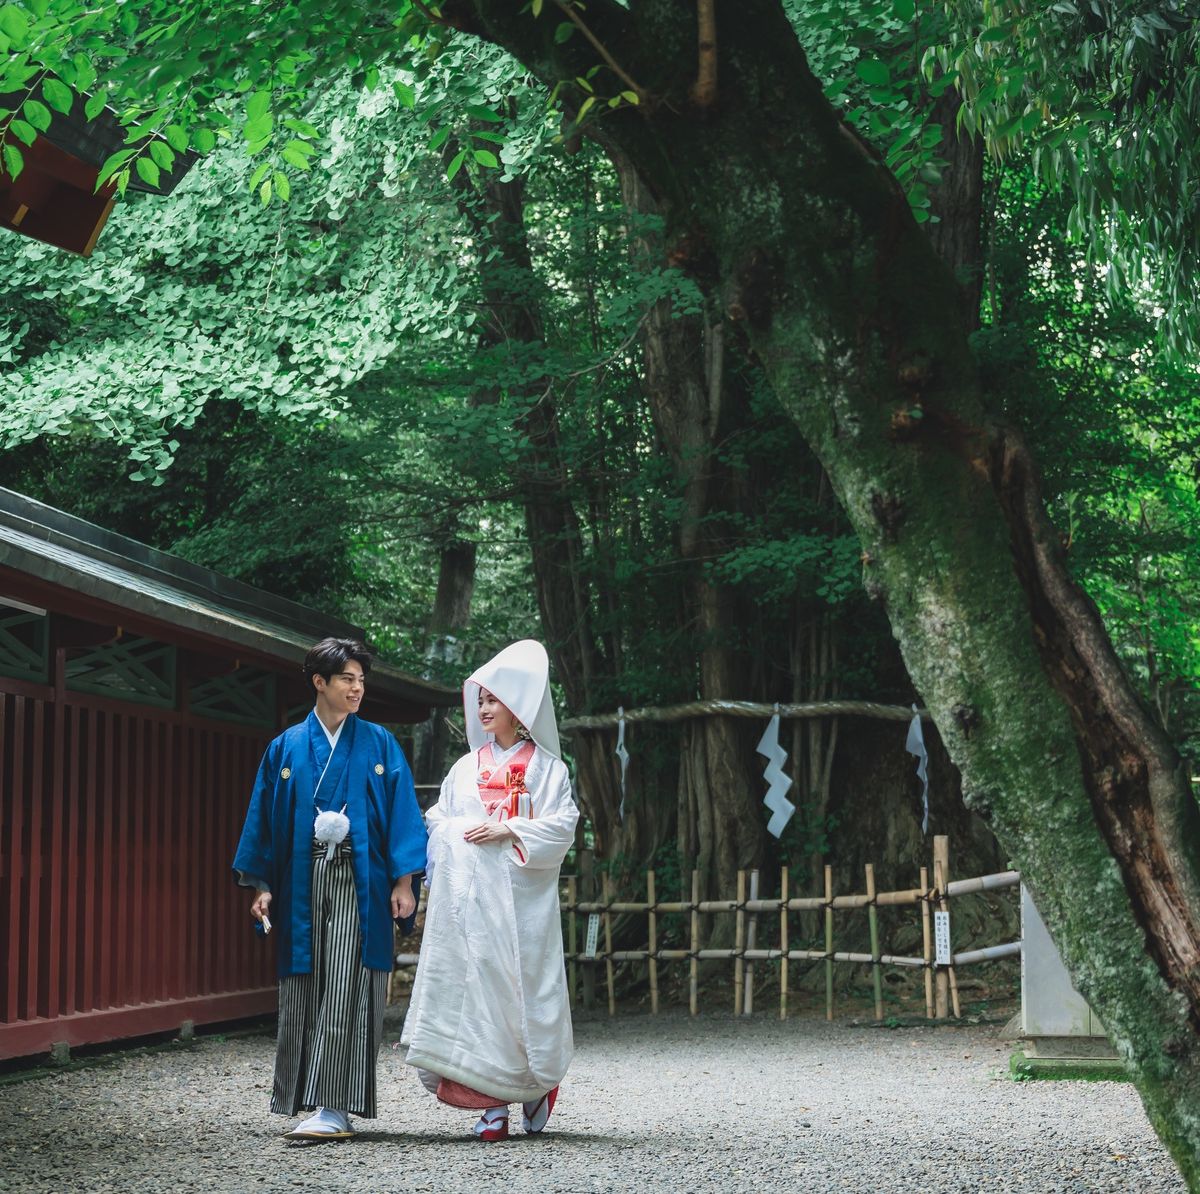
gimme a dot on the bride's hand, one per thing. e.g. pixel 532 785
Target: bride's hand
pixel 488 831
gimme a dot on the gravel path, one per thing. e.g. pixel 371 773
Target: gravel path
pixel 650 1104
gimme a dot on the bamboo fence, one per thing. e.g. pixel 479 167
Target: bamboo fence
pixel 941 985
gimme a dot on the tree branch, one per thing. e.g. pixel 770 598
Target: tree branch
pixel 575 19
pixel 430 15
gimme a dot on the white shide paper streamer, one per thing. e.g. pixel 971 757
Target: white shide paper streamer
pixel 915 745
pixel 778 783
pixel 623 755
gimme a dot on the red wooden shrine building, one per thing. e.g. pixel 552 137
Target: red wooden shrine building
pixel 137 692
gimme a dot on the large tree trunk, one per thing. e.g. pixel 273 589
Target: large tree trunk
pixel 514 322
pixel 859 327
pixel 443 650
pixel 957 202
pixel 721 828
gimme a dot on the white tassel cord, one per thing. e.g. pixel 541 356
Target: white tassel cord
pixel 330 829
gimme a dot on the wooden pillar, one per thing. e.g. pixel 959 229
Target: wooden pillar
pixel 572 939
pixel 927 943
pixel 587 893
pixel 608 948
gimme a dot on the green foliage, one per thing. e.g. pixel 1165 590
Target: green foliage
pixel 286 313
pixel 1116 422
pixel 1104 96
pixel 341 343
pixel 864 54
pixel 165 65
pixel 347 331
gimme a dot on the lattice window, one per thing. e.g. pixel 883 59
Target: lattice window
pixel 297 713
pixel 133 669
pixel 246 695
pixel 24 644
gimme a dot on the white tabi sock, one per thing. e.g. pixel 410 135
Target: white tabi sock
pixel 491 1117
pixel 326 1120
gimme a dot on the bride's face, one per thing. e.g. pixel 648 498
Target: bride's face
pixel 497 718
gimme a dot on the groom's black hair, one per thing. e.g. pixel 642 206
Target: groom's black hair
pixel 331 655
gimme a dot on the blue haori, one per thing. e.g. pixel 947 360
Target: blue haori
pixel 366 774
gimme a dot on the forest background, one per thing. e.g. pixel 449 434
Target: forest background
pixel 454 390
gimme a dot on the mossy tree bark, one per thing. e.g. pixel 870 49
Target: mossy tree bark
pixel 799 228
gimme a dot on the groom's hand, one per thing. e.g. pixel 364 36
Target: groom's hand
pixel 261 906
pixel 404 903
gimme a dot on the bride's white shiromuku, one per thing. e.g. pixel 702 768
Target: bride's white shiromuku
pixel 489 1008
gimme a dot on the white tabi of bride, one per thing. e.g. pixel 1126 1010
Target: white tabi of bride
pixel 489 1022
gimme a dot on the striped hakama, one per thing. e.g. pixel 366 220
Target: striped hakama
pixel 330 1021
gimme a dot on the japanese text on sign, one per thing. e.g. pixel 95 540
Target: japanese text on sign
pixel 941 938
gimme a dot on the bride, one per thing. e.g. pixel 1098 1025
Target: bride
pixel 489 1023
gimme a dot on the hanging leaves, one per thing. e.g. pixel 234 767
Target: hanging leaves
pixel 58 95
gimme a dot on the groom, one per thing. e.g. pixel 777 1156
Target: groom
pixel 333 840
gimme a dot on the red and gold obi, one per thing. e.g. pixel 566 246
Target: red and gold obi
pixel 502 786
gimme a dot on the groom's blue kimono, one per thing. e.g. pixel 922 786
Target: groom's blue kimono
pixel 369 776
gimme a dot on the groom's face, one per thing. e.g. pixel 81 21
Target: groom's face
pixel 343 692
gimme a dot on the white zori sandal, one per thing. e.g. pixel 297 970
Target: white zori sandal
pixel 534 1115
pixel 326 1124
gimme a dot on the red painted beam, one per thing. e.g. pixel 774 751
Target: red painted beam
pixel 28 1037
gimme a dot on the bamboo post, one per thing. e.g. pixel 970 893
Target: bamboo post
pixel 941 863
pixel 572 941
pixel 783 943
pixel 608 949
pixel 946 973
pixel 652 900
pixel 873 924
pixel 942 879
pixel 694 976
pixel 751 940
pixel 927 943
pixel 739 943
pixel 829 943
pixel 587 883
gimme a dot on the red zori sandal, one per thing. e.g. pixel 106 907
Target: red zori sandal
pixel 493 1124
pixel 534 1115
